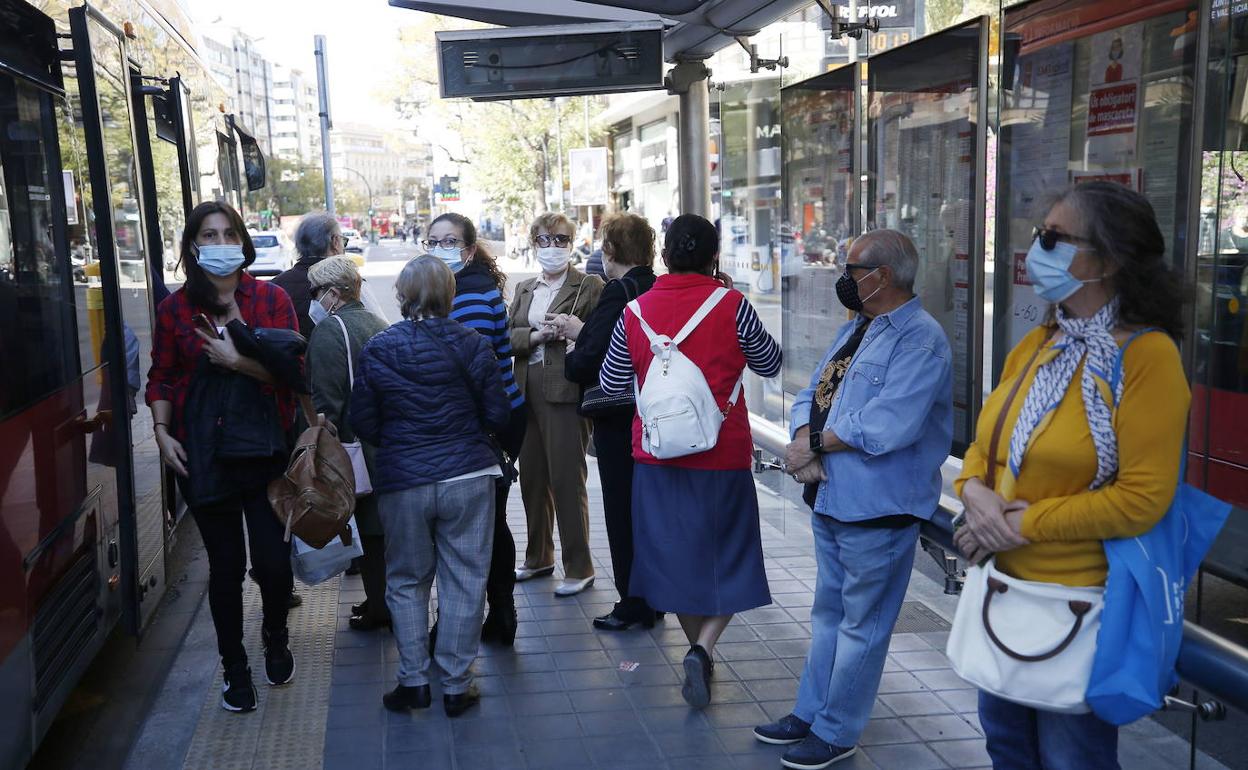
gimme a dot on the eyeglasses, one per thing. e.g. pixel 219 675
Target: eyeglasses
pixel 1049 238
pixel 544 240
pixel 862 266
pixel 450 242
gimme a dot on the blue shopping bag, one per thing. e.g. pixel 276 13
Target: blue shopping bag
pixel 1142 620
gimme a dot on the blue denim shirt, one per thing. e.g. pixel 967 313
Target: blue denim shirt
pixel 895 410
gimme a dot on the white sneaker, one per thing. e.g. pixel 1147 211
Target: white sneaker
pixel 573 587
pixel 526 573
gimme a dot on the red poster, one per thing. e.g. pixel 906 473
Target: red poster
pixel 1020 269
pixel 1112 109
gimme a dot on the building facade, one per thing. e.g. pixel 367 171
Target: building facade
pixel 248 76
pixel 386 165
pixel 295 116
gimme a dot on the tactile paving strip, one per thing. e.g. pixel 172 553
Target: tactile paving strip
pixel 287 729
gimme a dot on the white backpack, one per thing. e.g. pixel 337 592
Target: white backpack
pixel 679 414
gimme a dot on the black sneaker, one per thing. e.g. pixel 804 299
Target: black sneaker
pixel 789 729
pixel 279 664
pixel 697 688
pixel 814 753
pixel 237 691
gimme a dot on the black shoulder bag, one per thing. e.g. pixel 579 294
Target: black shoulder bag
pixel 594 402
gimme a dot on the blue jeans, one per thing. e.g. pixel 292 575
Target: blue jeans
pixel 1023 738
pixel 863 575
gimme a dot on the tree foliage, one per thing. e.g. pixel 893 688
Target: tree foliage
pixel 508 150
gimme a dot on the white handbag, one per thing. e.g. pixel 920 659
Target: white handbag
pixel 1027 642
pixel 355 449
pixel 316 565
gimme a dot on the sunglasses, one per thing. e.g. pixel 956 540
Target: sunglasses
pixel 862 266
pixel 1049 238
pixel 552 240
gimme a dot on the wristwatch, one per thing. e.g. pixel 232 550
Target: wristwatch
pixel 816 442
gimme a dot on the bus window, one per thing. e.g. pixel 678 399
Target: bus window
pixel 37 350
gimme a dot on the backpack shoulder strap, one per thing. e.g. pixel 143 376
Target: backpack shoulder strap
pixel 699 315
pixel 645 327
pixel 346 340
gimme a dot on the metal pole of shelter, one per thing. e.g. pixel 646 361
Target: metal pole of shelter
pixel 322 84
pixel 559 151
pixel 690 79
pixel 589 208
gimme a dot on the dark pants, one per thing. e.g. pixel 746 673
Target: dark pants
pixel 613 443
pixel 501 582
pixel 373 575
pixel 1023 738
pixel 502 578
pixel 221 526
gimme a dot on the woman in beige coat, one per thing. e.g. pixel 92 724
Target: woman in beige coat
pixel 552 460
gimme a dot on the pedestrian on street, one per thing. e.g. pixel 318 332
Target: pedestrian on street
pixel 552 459
pixel 698 548
pixel 1075 464
pixel 318 236
pixel 343 326
pixel 479 287
pixel 194 362
pixel 427 394
pixel 870 434
pixel 628 258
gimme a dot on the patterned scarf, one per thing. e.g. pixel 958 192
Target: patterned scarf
pixel 1091 337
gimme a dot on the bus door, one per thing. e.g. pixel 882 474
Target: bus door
pixel 179 101
pixel 117 164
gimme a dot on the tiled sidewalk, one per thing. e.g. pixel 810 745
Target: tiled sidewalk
pixel 565 697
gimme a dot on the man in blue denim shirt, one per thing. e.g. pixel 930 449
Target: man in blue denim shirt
pixel 871 432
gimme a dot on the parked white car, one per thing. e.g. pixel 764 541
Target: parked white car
pixel 353 240
pixel 274 253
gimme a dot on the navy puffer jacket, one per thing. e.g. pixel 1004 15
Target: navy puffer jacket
pixel 414 404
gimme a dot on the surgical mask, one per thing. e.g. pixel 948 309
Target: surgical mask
pixel 553 259
pixel 449 256
pixel 847 291
pixel 1049 271
pixel 317 312
pixel 220 259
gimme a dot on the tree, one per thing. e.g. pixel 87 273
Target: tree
pixel 508 150
pixel 291 188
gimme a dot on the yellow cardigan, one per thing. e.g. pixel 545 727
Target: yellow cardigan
pixel 1065 521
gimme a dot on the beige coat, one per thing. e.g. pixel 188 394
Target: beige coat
pixel 578 296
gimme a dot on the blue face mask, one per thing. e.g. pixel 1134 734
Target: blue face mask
pixel 449 256
pixel 220 259
pixel 1049 270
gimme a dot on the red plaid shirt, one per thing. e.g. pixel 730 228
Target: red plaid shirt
pixel 176 347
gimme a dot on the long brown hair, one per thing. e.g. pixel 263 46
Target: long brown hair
pixel 198 287
pixel 482 254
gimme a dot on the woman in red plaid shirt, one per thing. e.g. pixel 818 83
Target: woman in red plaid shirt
pixel 189 343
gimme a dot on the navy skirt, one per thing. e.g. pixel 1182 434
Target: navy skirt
pixel 697 549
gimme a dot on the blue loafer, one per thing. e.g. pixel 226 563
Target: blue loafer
pixel 814 753
pixel 788 730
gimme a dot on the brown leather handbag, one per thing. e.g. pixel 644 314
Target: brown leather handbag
pixel 315 497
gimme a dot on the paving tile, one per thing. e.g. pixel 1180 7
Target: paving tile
pixel 901 681
pixel 942 727
pixel 625 640
pixel 610 723
pixel 962 701
pixel 908 704
pixel 666 719
pixel 777 709
pixel 689 743
pixel 651 674
pixel 743 651
pixel 555 754
pixel 568 661
pixel 647 656
pixel 420 736
pixel 354 761
pixel 472 756
pixel 759 669
pixel 722 715
pixel 655 697
pixel 729 692
pixel 547 681
pixel 741 740
pixel 881 731
pixel 590 679
pixel 358 715
pixel 614 750
pixel 801 614
pixel 941 679
pixel 557 627
pixel 601 700
pixel 790 648
pixel 800 599
pixel 766 615
pixel 910 756
pixel 795 665
pixel 573 643
pixel 373 672
pixel 907 643
pixel 785 586
pixel 937 639
pixel 540 703
pixel 773 689
pixel 739 632
pixel 482 731
pixel 548 727
pixel 351 694
pixel 558 612
pixel 921 660
pixel 781 631
pixel 963 754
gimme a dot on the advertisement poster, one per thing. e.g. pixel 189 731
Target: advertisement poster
pixel 1039 112
pixel 1114 96
pixel 1028 308
pixel 589 176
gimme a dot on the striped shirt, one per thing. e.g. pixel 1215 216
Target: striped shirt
pixel 479 306
pixel 762 353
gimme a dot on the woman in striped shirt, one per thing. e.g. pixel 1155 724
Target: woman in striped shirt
pixel 697 548
pixel 479 285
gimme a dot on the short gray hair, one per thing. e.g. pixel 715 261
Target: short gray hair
pixel 339 273
pixel 313 236
pixel 425 288
pixel 893 249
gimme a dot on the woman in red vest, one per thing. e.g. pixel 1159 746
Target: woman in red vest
pixel 698 552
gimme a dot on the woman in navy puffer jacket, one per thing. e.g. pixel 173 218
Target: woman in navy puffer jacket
pixel 427 394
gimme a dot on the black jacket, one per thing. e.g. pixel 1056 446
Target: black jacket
pixel 585 360
pixel 295 282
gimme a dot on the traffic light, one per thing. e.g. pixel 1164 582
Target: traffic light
pixel 372 212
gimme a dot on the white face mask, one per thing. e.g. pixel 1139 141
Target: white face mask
pixel 553 259
pixel 317 312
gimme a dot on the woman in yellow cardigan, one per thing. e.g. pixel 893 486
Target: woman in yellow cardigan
pixel 1073 469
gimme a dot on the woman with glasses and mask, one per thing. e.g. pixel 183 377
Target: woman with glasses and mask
pixel 479 287
pixel 1074 463
pixel 552 460
pixel 343 325
pixel 189 346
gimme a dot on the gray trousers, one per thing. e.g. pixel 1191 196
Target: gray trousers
pixel 445 530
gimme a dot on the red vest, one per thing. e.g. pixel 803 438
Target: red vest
pixel 713 346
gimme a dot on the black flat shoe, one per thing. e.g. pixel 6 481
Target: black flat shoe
pixel 404 698
pixel 500 626
pixel 367 623
pixel 457 704
pixel 360 609
pixel 295 600
pixel 614 622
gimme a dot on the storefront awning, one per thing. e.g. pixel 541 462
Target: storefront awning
pixel 696 29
